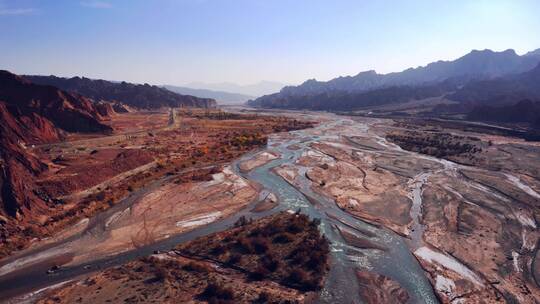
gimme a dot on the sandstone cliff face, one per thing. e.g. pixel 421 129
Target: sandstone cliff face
pixel 67 111
pixel 120 108
pixel 105 109
pixel 32 114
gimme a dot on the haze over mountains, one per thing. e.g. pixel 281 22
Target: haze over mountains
pixel 475 65
pixel 257 89
pixel 478 78
pixel 220 96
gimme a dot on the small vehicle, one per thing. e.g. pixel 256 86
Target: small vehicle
pixel 53 269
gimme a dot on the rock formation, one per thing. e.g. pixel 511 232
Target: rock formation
pixel 35 114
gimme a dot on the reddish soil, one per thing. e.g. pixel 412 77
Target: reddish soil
pixel 88 173
pixel 278 259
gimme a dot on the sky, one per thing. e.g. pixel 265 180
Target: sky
pixel 247 41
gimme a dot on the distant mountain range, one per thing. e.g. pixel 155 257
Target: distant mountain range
pixel 220 96
pixel 478 78
pixel 142 96
pixel 502 90
pixel 257 89
pixel 484 64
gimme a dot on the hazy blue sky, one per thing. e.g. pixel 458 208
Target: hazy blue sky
pixel 244 41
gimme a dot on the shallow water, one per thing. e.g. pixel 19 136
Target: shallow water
pixel 341 286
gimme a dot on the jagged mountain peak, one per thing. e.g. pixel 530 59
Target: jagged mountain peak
pixel 535 53
pixel 475 65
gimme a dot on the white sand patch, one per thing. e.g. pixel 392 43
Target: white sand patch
pixel 200 220
pixel 271 197
pixel 526 242
pixel 337 145
pixel 267 156
pixel 525 220
pixel 458 195
pixel 353 202
pixel 228 171
pixel 237 181
pixel 382 141
pixel 218 177
pixel 360 260
pixel 448 262
pixel 31 297
pixel 515 257
pixel 321 157
pixel 82 222
pixel 162 256
pixel 286 173
pixel 518 183
pixel 117 215
pixel 445 285
pixel 482 188
pixel 26 261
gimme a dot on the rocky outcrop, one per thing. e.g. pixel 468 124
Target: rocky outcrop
pixel 31 114
pixel 376 288
pixel 66 111
pixel 105 109
pixel 120 108
pixel 142 96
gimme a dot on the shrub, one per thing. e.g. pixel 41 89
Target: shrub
pixel 315 222
pixel 242 221
pixel 295 227
pixel 234 258
pixel 301 279
pixel 283 238
pixel 218 250
pixel 215 291
pixel 260 245
pixel 264 297
pixel 271 263
pixel 195 267
pixel 244 245
pixel 259 274
pixel 297 276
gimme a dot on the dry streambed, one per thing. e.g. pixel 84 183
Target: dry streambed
pixel 473 230
pixel 167 209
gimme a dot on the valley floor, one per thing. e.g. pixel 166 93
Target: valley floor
pixel 413 214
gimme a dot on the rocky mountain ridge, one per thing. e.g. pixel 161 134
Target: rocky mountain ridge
pixel 32 114
pixel 143 96
pixel 484 64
